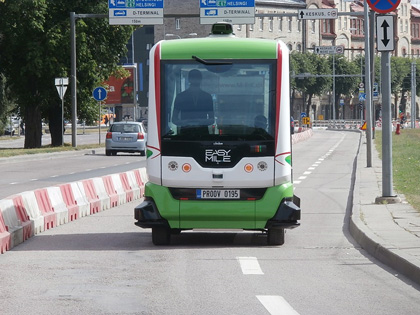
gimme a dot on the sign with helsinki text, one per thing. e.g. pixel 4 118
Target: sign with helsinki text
pixel 230 11
pixel 135 12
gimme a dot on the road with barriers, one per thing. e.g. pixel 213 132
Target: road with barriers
pixel 99 262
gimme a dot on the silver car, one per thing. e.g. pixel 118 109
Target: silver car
pixel 126 137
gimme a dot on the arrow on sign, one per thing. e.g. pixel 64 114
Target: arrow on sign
pixel 301 14
pixel 385 27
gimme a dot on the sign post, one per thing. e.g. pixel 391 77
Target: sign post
pixel 99 94
pixel 61 85
pixel 385 44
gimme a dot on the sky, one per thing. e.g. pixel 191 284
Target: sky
pixel 416 3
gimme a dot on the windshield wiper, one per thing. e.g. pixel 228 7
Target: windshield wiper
pixel 211 63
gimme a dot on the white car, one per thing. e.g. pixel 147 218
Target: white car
pixel 126 137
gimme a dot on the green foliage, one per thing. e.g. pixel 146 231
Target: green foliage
pixel 36 49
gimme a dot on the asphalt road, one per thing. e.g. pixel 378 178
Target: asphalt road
pixel 103 264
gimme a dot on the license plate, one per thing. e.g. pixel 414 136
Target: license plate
pixel 218 193
pixel 125 138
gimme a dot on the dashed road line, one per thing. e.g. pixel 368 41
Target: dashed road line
pixel 276 305
pixel 250 265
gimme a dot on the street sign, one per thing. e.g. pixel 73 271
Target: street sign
pixel 383 6
pixel 61 85
pixel 385 33
pixel 99 94
pixel 303 114
pixel 362 96
pixel 306 120
pixel 313 14
pixel 375 91
pixel 234 12
pixel 329 50
pixel 135 12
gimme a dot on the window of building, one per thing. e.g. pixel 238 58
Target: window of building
pixel 289 46
pixel 261 22
pixel 177 24
pixel 280 20
pixel 289 24
pixel 299 25
pixel 299 47
pixel 313 26
pixel 239 28
pixel 270 24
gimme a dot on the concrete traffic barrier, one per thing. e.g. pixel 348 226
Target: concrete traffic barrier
pixel 81 199
pixel 135 187
pixel 90 192
pixel 27 224
pixel 11 221
pixel 70 201
pixel 32 212
pixel 122 195
pixel 4 236
pixel 127 187
pixel 30 204
pixel 102 193
pixel 51 218
pixel 58 205
pixel 111 192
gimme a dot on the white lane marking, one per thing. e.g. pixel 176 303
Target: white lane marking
pixel 54 176
pixel 295 182
pixel 15 183
pixel 302 177
pixel 276 305
pixel 250 266
pixel 306 173
pixel 311 168
pixel 33 179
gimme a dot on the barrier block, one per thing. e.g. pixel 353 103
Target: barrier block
pixel 81 199
pixel 132 182
pixel 139 182
pixel 44 205
pixel 30 206
pixel 90 192
pixel 27 224
pixel 11 221
pixel 70 201
pixel 119 188
pixel 4 236
pixel 58 205
pixel 101 192
pixel 110 190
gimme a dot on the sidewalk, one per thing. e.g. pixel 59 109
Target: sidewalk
pixel 389 232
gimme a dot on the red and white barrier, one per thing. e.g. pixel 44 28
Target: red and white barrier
pixel 4 236
pixel 33 212
pixel 102 193
pixel 11 221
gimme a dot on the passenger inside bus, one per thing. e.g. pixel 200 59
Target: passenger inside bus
pixel 193 107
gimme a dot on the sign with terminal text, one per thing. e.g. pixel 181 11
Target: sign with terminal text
pixel 230 11
pixel 135 12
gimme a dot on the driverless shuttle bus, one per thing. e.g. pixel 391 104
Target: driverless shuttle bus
pixel 219 147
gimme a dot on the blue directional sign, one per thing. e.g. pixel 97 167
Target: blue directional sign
pixel 99 94
pixel 383 6
pixel 135 12
pixel 362 96
pixel 234 12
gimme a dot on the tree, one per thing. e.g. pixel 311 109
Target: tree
pixel 343 85
pixel 36 49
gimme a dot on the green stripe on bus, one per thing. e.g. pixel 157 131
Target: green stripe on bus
pixel 233 48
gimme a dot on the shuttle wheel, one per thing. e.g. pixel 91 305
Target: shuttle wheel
pixel 161 235
pixel 275 236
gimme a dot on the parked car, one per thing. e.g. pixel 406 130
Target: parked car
pixel 127 136
pixel 9 131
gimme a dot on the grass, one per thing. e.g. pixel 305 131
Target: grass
pixel 46 149
pixel 406 163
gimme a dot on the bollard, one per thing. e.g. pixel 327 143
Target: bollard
pixel 397 131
